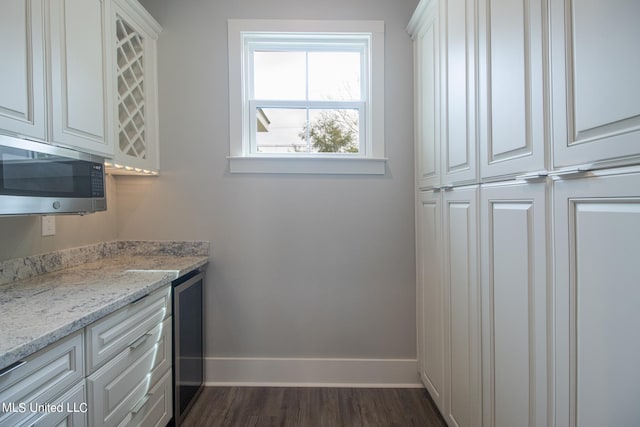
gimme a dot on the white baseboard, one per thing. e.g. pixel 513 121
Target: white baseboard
pixel 306 372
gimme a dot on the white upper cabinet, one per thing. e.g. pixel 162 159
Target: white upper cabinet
pixel 55 91
pixel 595 95
pixel 511 87
pixel 459 151
pixel 22 78
pixel 425 30
pixel 133 50
pixel 78 75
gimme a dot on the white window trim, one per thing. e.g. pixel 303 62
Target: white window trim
pixel 240 158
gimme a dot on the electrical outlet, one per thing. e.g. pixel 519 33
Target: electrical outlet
pixel 48 225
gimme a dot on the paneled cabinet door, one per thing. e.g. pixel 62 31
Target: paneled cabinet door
pixel 511 93
pixel 597 321
pixel 463 401
pixel 22 72
pixel 431 308
pixel 425 29
pixel 79 83
pixel 594 81
pixel 459 152
pixel 514 301
pixel 133 47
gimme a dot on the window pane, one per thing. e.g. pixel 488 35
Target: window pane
pixel 286 130
pixel 334 131
pixel 334 76
pixel 281 130
pixel 279 75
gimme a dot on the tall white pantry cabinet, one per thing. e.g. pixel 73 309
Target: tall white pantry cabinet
pixel 527 130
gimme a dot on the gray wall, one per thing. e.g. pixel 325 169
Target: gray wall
pixel 302 266
pixel 22 236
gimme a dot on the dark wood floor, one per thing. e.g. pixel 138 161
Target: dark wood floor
pixel 289 406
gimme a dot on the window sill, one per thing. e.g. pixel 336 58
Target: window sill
pixel 308 165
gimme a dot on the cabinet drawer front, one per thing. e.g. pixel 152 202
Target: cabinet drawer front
pixel 156 408
pixel 74 410
pixel 164 353
pixel 111 335
pixel 42 377
pixel 115 388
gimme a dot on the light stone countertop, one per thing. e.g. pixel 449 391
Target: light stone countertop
pixel 40 310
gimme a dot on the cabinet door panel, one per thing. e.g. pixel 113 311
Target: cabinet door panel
pixel 514 285
pixel 597 334
pixel 459 157
pixel 511 96
pixel 431 308
pixel 595 91
pixel 78 75
pixel 22 104
pixel 428 100
pixel 462 367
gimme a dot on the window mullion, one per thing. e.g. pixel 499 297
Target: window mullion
pixel 325 105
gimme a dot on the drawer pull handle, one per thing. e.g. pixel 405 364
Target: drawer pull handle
pixel 572 171
pixel 140 404
pixel 137 343
pixel 533 176
pixel 12 367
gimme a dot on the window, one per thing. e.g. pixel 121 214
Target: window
pixel 306 96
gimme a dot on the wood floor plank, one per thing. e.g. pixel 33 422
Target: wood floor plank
pixel 313 407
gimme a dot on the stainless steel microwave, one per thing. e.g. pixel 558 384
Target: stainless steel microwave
pixel 37 178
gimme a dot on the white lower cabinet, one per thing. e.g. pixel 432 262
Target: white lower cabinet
pixel 597 290
pixel 70 410
pixel 431 294
pixel 129 361
pixel 482 339
pixel 449 302
pixel 40 379
pixel 122 388
pixel 463 400
pixel 131 388
pixel 156 409
pixel 514 304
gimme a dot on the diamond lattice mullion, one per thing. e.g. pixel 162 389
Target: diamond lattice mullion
pixel 131 91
